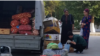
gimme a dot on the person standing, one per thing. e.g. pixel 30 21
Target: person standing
pixel 67 25
pixel 86 25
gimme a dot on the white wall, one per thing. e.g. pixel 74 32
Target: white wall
pixel 97 29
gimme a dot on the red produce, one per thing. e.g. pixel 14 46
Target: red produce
pixel 24 32
pixel 24 21
pixel 21 15
pixel 25 27
pixel 14 23
pixel 14 30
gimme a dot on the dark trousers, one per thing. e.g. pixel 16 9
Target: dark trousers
pixel 78 47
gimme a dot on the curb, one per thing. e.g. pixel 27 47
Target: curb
pixel 91 34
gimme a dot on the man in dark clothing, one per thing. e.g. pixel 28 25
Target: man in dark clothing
pixel 67 25
pixel 78 42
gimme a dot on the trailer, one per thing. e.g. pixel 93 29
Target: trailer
pixel 21 41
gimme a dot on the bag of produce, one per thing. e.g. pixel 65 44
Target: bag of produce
pixel 52 46
pixel 67 46
pixel 14 30
pixel 21 15
pixel 24 21
pixel 60 45
pixel 25 32
pixel 50 52
pixel 33 27
pixel 14 23
pixel 81 32
pixel 35 32
pixel 25 27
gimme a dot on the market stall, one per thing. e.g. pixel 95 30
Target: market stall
pixel 51 31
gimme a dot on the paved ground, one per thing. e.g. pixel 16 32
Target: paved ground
pixel 91 34
pixel 94 48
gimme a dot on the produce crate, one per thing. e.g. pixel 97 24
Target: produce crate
pixel 51 25
pixel 4 31
pixel 47 42
pixel 53 30
pixel 51 36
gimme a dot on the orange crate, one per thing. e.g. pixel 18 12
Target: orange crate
pixel 52 30
pixel 4 31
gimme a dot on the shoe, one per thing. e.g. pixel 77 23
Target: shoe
pixel 76 51
pixel 79 52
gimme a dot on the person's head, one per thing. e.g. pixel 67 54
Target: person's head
pixel 66 12
pixel 70 35
pixel 86 12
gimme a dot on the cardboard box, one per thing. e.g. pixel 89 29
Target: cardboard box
pixel 51 36
pixel 71 50
pixel 53 30
pixel 4 31
pixel 51 21
pixel 51 25
pixel 47 42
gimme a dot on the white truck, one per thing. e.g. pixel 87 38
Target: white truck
pixel 25 42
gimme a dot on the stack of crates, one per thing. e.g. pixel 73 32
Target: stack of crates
pixel 51 31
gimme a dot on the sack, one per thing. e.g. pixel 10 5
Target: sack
pixel 35 32
pixel 50 52
pixel 24 21
pixel 21 15
pixel 52 46
pixel 14 30
pixel 14 23
pixel 67 46
pixel 60 45
pixel 25 27
pixel 81 32
pixel 24 32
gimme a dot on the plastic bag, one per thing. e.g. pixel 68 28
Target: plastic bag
pixel 60 45
pixel 67 46
pixel 50 52
pixel 24 32
pixel 81 32
pixel 35 32
pixel 52 46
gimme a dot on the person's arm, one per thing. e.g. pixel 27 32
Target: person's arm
pixel 72 19
pixel 62 19
pixel 82 23
pixel 75 40
pixel 89 20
